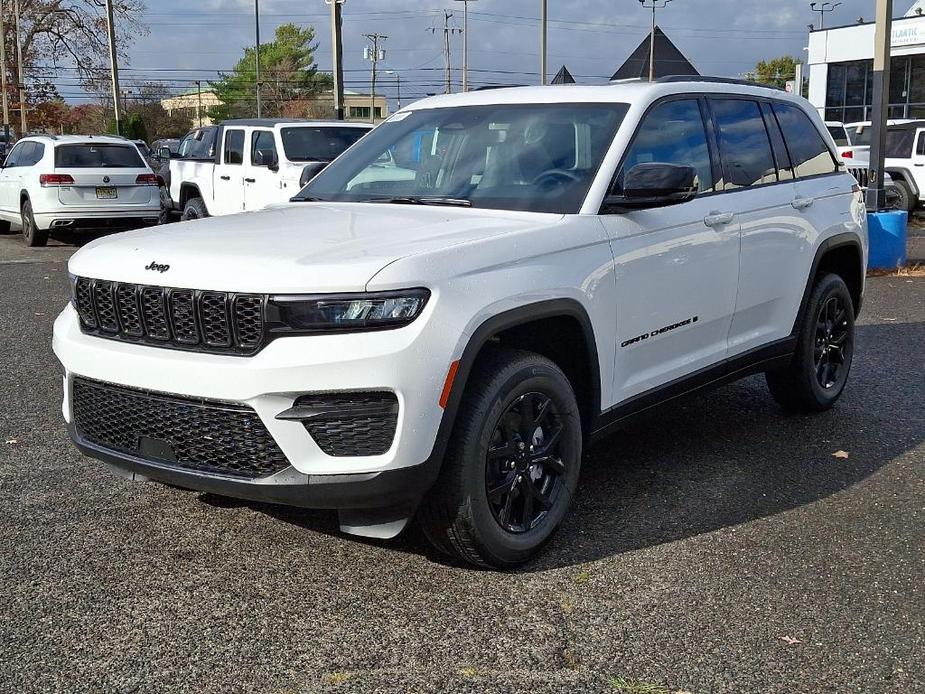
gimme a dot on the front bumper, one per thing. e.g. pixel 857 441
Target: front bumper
pixel 271 381
pixel 400 489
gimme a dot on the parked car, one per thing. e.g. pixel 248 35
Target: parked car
pixel 243 165
pixel 842 139
pixel 5 146
pixel 76 181
pixel 904 160
pixel 445 346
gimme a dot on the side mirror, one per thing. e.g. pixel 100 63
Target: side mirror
pixel 309 171
pixel 164 154
pixel 655 185
pixel 273 163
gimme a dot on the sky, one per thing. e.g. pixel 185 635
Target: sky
pixel 190 41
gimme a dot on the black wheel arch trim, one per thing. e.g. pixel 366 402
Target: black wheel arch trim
pixel 184 200
pixel 907 177
pixel 829 244
pixel 522 315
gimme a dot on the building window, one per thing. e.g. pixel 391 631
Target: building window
pixel 363 112
pixel 849 89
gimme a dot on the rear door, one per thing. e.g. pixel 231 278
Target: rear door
pixel 262 178
pixel 676 266
pixel 760 190
pixel 104 175
pixel 228 183
pixel 11 177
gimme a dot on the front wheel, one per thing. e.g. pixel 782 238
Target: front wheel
pixel 818 372
pixel 512 463
pixel 904 198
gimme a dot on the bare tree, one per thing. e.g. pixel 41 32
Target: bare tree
pixel 65 40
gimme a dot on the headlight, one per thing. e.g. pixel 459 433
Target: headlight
pixel 344 312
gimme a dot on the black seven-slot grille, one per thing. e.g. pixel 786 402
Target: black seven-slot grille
pixel 176 318
pixel 199 435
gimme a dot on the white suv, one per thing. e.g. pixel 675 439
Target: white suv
pixel 443 346
pixel 76 181
pixel 247 165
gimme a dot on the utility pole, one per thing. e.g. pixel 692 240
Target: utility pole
pixel 19 78
pixel 822 8
pixel 199 101
pixel 374 54
pixel 6 96
pixel 876 196
pixel 465 84
pixel 447 69
pixel 543 24
pixel 337 51
pixel 257 52
pixel 653 5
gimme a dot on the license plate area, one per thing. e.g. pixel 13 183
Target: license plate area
pixel 107 193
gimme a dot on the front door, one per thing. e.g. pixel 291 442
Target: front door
pixel 228 183
pixel 676 266
pixel 262 181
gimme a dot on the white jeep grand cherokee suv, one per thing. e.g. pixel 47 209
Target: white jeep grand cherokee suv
pixel 443 346
pixel 76 181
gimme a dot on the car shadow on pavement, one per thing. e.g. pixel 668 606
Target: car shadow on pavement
pixel 720 459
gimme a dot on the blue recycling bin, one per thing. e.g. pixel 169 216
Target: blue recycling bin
pixel 887 233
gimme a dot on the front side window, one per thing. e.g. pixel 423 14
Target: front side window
pixel 743 143
pixel 920 147
pixel 672 133
pixel 93 156
pixel 808 151
pixel 318 144
pixel 531 157
pixel 234 147
pixel 263 148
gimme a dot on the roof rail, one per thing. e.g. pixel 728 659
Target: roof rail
pixel 715 80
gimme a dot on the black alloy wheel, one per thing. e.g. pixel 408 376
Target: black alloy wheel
pixel 524 468
pixel 831 342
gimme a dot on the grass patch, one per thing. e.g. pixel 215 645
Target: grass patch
pixel 336 678
pixel 625 686
pixel 917 270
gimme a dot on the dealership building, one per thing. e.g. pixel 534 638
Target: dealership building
pixel 841 69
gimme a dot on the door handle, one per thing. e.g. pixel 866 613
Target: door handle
pixel 801 203
pixel 918 164
pixel 250 180
pixel 715 219
pixel 225 178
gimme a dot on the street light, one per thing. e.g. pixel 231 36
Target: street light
pixel 398 82
pixel 822 8
pixel 653 5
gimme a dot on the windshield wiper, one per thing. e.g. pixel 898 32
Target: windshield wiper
pixel 418 200
pixel 307 198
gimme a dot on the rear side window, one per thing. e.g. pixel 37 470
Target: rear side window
pixel 199 144
pixel 743 144
pixel 839 134
pixel 672 133
pixel 920 147
pixel 12 160
pixel 318 144
pixel 781 156
pixel 808 151
pixel 234 147
pixel 899 143
pixel 93 156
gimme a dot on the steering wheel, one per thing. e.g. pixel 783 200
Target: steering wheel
pixel 555 176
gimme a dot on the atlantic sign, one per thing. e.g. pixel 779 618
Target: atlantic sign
pixel 908 33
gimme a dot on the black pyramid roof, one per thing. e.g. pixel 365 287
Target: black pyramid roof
pixel 668 60
pixel 563 77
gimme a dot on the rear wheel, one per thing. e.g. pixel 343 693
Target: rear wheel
pixel 816 377
pixel 195 208
pixel 30 234
pixel 905 200
pixel 512 463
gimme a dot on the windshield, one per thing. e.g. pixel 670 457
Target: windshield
pixel 97 156
pixel 839 134
pixel 318 144
pixel 532 157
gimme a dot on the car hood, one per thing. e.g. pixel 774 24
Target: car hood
pixel 298 248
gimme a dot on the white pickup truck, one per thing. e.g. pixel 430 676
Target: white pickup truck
pixel 241 165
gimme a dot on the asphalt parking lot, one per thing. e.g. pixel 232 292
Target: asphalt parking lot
pixel 716 546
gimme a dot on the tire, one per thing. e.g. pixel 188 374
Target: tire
pixel 818 372
pixel 31 235
pixel 460 517
pixel 905 198
pixel 166 208
pixel 195 208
